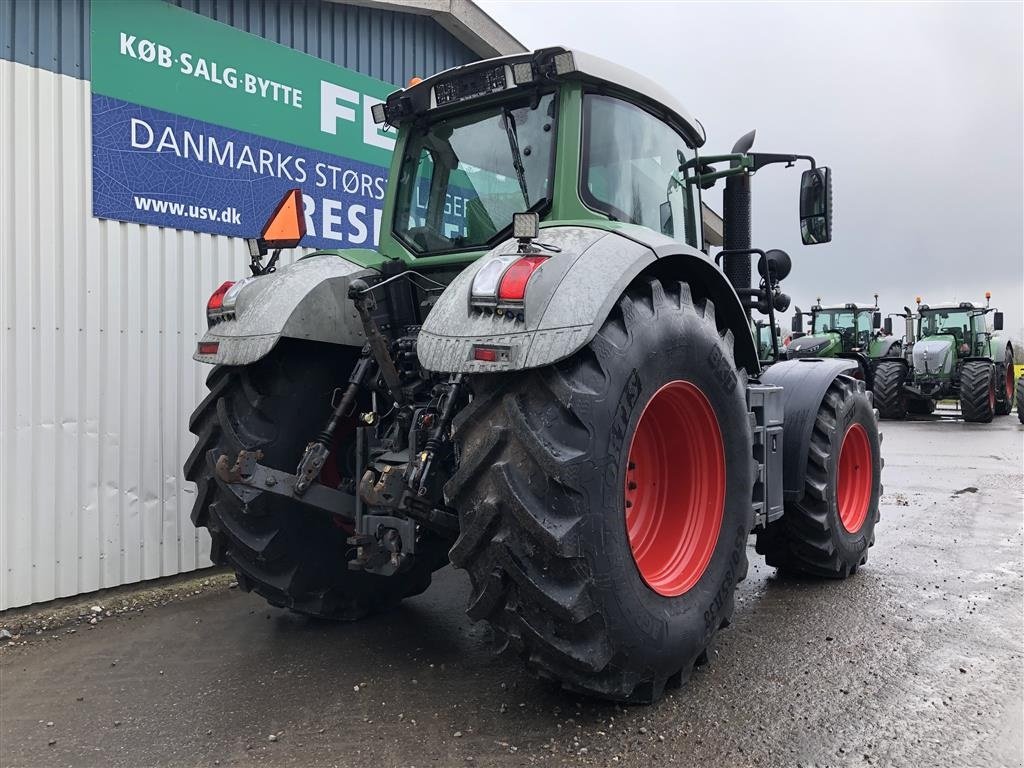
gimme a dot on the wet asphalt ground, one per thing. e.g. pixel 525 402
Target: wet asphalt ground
pixel 915 661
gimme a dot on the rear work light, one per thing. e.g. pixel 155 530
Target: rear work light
pixel 501 282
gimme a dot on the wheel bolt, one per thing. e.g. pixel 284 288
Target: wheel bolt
pixel 631 486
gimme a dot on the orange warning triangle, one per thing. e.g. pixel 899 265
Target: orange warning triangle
pixel 287 224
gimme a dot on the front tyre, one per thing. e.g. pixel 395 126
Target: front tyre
pixel 606 500
pixel 1005 384
pixel 889 395
pixel 829 530
pixel 978 391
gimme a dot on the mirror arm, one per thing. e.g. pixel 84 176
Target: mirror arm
pixel 739 164
pixel 762 159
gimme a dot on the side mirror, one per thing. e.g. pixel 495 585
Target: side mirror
pixel 774 266
pixel 887 326
pixel 797 326
pixel 997 321
pixel 816 206
pixel 876 320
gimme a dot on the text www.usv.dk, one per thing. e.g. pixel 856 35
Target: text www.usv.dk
pixel 227 215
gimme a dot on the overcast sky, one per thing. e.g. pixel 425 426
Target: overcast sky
pixel 917 108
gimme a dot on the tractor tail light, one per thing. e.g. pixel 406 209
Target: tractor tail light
pixel 216 302
pixel 513 282
pixel 503 280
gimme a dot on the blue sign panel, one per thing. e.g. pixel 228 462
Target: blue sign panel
pixel 159 168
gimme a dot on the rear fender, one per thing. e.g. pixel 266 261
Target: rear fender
pixel 804 383
pixel 304 300
pixel 568 300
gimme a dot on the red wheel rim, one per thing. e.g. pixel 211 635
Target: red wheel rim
pixel 675 488
pixel 1009 382
pixel 855 479
pixel 992 393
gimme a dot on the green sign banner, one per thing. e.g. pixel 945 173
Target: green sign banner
pixel 198 125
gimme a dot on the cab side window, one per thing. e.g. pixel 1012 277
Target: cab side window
pixel 631 171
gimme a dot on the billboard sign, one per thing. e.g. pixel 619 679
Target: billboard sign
pixel 199 126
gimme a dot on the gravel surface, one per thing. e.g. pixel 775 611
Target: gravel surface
pixel 917 660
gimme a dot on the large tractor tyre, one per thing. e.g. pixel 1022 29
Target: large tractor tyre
pixel 606 500
pixel 294 557
pixel 889 397
pixel 978 391
pixel 1020 400
pixel 828 532
pixel 1005 384
pixel 919 406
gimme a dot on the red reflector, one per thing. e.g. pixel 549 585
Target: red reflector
pixel 217 299
pixel 487 355
pixel 208 347
pixel 513 282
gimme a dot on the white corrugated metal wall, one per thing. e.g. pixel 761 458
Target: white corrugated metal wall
pixel 100 318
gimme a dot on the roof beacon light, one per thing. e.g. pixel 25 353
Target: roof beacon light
pixel 414 81
pixel 988 296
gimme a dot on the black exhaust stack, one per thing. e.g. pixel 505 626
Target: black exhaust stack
pixel 736 213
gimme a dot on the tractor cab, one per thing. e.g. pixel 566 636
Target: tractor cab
pixel 559 133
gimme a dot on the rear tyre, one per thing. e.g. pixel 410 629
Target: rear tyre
pixel 1005 384
pixel 606 500
pixel 828 532
pixel 889 397
pixel 978 391
pixel 293 557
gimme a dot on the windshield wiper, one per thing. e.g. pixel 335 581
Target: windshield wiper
pixel 517 159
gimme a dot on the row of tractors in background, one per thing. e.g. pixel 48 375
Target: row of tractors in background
pixel 948 351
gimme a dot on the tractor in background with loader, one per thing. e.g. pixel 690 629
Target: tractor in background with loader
pixel 550 385
pixel 952 355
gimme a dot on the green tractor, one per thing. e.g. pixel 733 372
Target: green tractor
pixel 953 355
pixel 845 330
pixel 539 376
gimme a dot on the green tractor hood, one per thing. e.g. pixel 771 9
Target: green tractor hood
pixel 823 345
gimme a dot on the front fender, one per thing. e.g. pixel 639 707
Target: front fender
pixel 883 347
pixel 804 383
pixel 568 299
pixel 304 300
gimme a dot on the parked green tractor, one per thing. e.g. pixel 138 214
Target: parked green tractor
pixel 953 355
pixel 845 330
pixel 540 376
